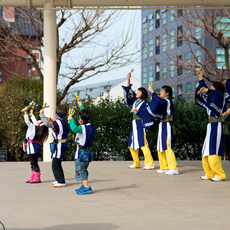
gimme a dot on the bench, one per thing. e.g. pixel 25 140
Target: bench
pixel 3 154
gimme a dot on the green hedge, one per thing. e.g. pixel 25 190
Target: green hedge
pixel 112 121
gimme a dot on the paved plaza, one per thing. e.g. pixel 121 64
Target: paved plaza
pixel 123 198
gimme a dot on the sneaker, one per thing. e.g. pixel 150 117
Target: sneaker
pixel 133 167
pixel 172 172
pixel 76 190
pixel 162 171
pixel 83 190
pixel 59 185
pixel 204 178
pixel 55 182
pixel 148 168
pixel 216 178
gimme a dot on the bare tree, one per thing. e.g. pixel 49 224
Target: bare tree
pixel 76 30
pixel 203 29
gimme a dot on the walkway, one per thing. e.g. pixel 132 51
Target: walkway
pixel 123 198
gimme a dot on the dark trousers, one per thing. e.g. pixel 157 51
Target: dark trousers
pixel 58 171
pixel 34 162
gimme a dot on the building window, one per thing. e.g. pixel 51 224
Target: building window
pixel 164 17
pixel 157 71
pixel 157 44
pixel 198 33
pixel 223 23
pixel 180 13
pixel 144 75
pixel 179 91
pixel 173 91
pixel 198 56
pixel 188 90
pixel 151 48
pixel 172 13
pixel 188 58
pixel 164 43
pixel 196 84
pixel 164 71
pixel 151 17
pixel 179 36
pixel 144 22
pixel 150 73
pixel 171 69
pixel 179 65
pixel 172 39
pixel 157 19
pixel 145 52
pixel 220 58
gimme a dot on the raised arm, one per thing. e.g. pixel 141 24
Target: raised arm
pixel 44 119
pixel 128 79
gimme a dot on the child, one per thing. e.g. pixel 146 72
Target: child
pixel 60 131
pixel 84 139
pixel 36 132
pixel 212 100
pixel 141 119
pixel 163 109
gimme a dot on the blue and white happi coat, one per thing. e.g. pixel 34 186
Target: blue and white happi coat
pixel 60 131
pixel 160 108
pixel 137 132
pixel 214 103
pixel 85 138
pixel 31 148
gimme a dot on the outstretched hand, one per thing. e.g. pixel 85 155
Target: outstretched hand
pixel 69 117
pixel 79 104
pixel 151 89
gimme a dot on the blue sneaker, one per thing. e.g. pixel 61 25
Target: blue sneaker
pixel 83 190
pixel 76 190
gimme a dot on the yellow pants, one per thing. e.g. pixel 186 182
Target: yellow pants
pixel 213 167
pixel 167 158
pixel 147 154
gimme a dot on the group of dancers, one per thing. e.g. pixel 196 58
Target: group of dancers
pixel 159 108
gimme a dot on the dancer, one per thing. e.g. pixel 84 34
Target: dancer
pixel 162 108
pixel 84 139
pixel 141 119
pixel 212 100
pixel 60 131
pixel 36 133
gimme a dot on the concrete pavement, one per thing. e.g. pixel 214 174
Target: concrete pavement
pixel 123 198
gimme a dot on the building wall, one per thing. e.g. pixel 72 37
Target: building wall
pixel 10 22
pixel 183 85
pixel 117 91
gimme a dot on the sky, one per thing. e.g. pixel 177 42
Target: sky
pixel 121 72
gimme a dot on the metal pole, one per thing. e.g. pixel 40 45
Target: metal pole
pixel 50 41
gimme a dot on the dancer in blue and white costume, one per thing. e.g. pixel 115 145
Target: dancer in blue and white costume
pixel 212 100
pixel 142 119
pixel 162 108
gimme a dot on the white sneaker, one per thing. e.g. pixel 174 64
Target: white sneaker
pixel 132 167
pixel 216 178
pixel 148 168
pixel 58 185
pixel 172 172
pixel 204 178
pixel 162 171
pixel 55 182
